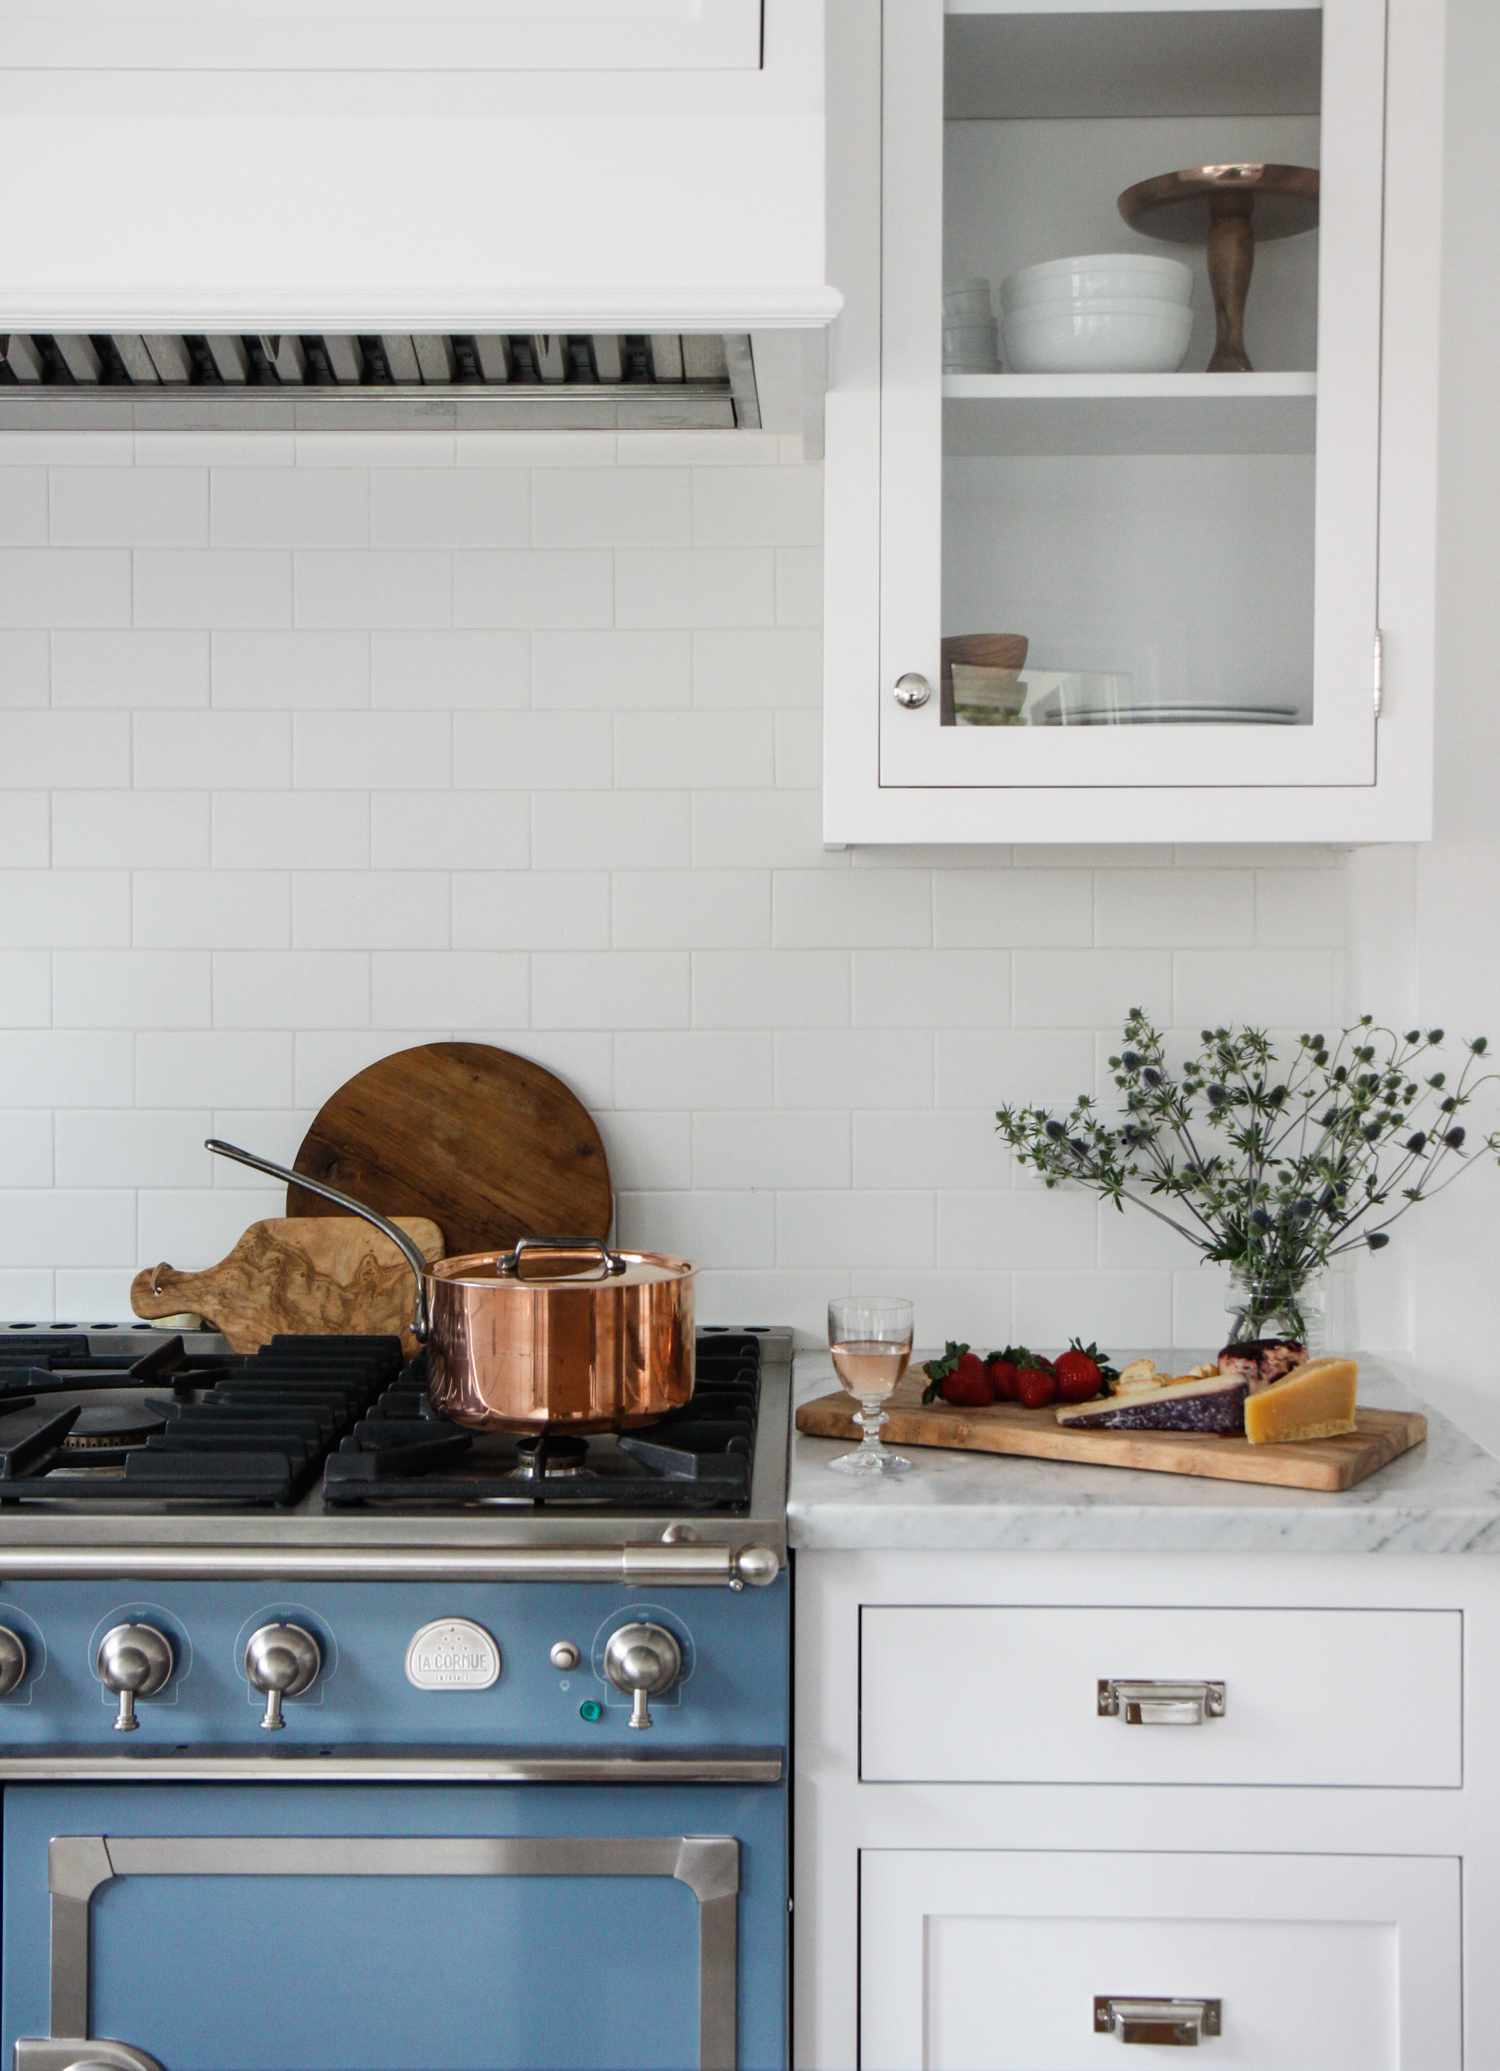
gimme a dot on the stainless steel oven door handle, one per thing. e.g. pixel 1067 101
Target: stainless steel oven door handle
pixel 53 2053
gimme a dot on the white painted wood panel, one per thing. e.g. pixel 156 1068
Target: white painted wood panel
pixel 1008 1695
pixel 261 35
pixel 991 1961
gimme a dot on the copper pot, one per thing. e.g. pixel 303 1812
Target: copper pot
pixel 561 1333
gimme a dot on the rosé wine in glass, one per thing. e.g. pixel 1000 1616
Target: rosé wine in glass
pixel 869 1338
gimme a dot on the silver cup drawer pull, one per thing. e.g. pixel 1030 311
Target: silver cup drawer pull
pixel 1164 2023
pixel 1160 1704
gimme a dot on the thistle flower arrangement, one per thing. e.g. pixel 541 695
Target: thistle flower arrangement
pixel 1273 1170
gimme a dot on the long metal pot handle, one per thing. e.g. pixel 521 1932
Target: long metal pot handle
pixel 421 1315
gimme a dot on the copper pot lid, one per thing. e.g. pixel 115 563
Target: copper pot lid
pixel 592 1266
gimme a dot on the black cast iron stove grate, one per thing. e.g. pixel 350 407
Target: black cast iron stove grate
pixel 696 1458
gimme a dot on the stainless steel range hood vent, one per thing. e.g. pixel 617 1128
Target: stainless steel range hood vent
pixel 318 381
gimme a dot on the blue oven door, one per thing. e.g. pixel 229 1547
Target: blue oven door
pixel 417 1927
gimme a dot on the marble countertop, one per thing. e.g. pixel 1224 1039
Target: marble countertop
pixel 1444 1497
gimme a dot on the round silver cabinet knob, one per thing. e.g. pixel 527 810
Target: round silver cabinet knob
pixel 12 1661
pixel 564 1656
pixel 134 1661
pixel 912 690
pixel 282 1661
pixel 645 1661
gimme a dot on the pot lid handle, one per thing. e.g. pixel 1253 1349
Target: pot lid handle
pixel 606 1264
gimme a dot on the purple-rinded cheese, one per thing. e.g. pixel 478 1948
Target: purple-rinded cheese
pixel 1262 1360
pixel 1216 1405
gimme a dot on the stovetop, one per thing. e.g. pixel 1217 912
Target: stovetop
pixel 329 1441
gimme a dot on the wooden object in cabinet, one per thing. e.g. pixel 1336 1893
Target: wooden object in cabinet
pixel 991 1961
pixel 1297 1683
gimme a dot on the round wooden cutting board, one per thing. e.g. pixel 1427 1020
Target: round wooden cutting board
pixel 488 1144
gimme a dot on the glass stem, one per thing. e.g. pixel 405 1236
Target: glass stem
pixel 871 1417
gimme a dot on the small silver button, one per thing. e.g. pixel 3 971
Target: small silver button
pixel 564 1656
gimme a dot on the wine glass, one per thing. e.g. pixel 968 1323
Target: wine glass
pixel 870 1339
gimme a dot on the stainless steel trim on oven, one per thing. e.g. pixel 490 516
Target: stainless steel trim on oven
pixel 708 1864
pixel 62 1764
pixel 79 2053
pixel 684 1566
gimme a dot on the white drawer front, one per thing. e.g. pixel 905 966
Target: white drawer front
pixel 986 1961
pixel 981 1695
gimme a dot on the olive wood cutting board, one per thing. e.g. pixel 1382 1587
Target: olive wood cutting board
pixel 1313 1463
pixel 299 1274
pixel 488 1144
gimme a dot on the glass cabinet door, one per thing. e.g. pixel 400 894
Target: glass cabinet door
pixel 1101 563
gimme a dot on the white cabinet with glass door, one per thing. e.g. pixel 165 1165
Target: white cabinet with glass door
pixel 1218 584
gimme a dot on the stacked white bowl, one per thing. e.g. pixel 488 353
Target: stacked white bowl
pixel 1105 313
pixel 969 330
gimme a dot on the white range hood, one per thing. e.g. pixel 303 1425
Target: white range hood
pixel 500 212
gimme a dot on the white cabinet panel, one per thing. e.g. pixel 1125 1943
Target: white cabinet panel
pixel 992 1961
pixel 508 35
pixel 1009 1695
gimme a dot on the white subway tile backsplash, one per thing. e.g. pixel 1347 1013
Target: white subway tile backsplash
pixel 516 738
pixel 692 751
pixel 23 507
pixel 669 587
pixel 131 829
pixel 369 909
pixel 448 507
pixel 700 1070
pixel 236 751
pixel 64 909
pixel 525 589
pixel 531 909
pixel 132 670
pixel 628 988
pixel 25 830
pixel 241 1069
pixel 605 670
pixel 377 589
pixel 290 507
pixel 65 750
pixel 779 666
pixel 291 988
pixel 462 989
pixel 771 1149
pixel 596 507
pixel 531 751
pixel 370 751
pixel 220 588
pixel 830 909
pixel 25 988
pixel 129 506
pixel 25 666
pixel 692 909
pixel 131 988
pixel 210 909
pixel 448 830
pixel 449 671
pixel 291 830
pixel 290 671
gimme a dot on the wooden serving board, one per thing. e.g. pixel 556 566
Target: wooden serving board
pixel 489 1145
pixel 298 1273
pixel 1315 1463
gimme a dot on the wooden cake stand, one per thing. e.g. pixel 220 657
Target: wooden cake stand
pixel 1228 207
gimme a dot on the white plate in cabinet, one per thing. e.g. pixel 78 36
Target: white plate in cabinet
pixel 996 1961
pixel 1309 1697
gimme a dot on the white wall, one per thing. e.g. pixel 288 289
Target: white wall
pixel 309 751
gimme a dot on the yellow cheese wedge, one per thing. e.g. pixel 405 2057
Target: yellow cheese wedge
pixel 1315 1400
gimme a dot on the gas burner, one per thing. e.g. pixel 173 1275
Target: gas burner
pixel 109 1430
pixel 549 1456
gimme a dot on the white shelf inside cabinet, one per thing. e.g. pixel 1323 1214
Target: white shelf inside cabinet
pixel 1039 414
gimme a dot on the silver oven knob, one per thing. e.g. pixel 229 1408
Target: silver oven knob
pixel 12 1661
pixel 134 1661
pixel 645 1661
pixel 282 1661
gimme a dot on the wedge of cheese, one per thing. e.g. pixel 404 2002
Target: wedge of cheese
pixel 1315 1400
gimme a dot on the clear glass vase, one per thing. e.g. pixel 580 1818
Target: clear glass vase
pixel 1278 1305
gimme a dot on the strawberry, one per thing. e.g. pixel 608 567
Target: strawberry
pixel 1004 1375
pixel 1036 1388
pixel 959 1377
pixel 1081 1372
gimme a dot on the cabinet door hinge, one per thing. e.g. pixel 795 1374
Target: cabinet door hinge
pixel 1377 684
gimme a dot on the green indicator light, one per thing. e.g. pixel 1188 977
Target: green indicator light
pixel 592 1710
